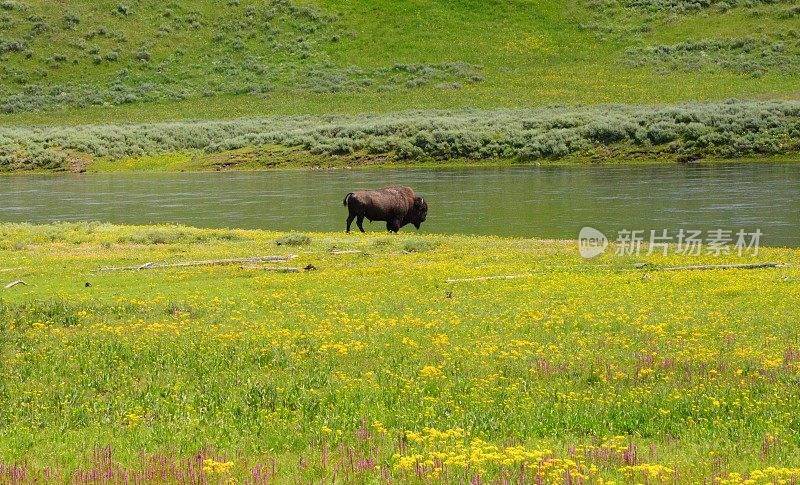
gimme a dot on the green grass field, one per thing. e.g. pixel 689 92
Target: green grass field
pixel 373 367
pixel 366 365
pixel 110 61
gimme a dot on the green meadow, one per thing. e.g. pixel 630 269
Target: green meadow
pixel 145 61
pixel 371 366
pixel 170 354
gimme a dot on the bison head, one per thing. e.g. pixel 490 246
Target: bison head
pixel 419 212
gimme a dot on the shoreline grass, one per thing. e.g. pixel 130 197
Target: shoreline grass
pixel 107 167
pixel 372 366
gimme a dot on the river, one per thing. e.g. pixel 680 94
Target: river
pixel 543 202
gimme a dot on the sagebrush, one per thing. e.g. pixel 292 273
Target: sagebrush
pixel 686 132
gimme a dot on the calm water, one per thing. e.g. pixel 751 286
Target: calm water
pixel 535 202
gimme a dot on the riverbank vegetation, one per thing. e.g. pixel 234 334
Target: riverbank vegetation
pixel 369 366
pixel 602 134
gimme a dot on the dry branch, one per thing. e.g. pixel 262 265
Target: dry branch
pixel 645 266
pixel 286 269
pixel 499 277
pixel 210 262
pixel 349 251
pixel 720 266
pixel 15 283
pixel 281 269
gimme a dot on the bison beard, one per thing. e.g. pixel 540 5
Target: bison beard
pixel 397 206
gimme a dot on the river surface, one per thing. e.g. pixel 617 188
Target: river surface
pixel 543 202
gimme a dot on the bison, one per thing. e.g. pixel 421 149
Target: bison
pixel 397 206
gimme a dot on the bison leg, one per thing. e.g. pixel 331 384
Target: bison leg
pixel 392 226
pixel 359 223
pixel 350 221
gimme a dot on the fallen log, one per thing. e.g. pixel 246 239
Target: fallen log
pixel 273 268
pixel 281 269
pixel 718 266
pixel 497 277
pixel 645 266
pixel 210 262
pixel 15 283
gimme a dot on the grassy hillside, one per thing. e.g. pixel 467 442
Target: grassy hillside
pixel 373 367
pixel 145 60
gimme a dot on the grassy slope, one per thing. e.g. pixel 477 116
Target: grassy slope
pixel 532 53
pixel 694 368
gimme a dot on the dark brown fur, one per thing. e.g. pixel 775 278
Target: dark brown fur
pixel 397 206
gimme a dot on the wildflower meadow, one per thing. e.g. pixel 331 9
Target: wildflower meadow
pixel 353 359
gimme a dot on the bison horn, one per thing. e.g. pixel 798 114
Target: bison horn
pixel 421 200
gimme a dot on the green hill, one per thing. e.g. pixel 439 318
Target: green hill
pixel 146 60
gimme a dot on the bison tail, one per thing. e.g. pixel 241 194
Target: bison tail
pixel 344 202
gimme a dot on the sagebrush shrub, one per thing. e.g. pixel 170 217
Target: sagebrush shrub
pixel 714 129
